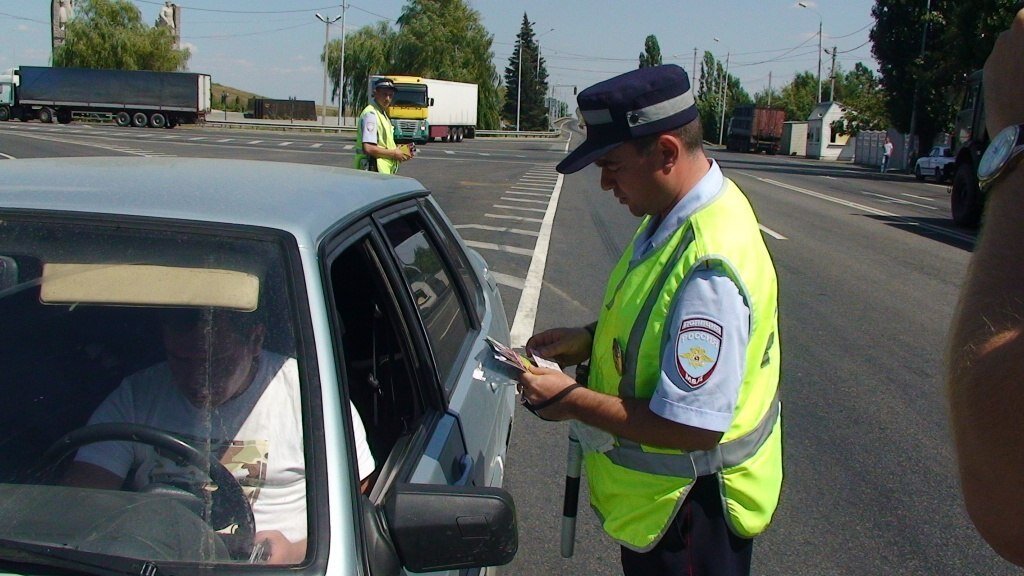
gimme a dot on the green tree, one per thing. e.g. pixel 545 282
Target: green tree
pixel 799 97
pixel 651 56
pixel 442 39
pixel 111 34
pixel 709 97
pixel 864 99
pixel 528 103
pixel 368 51
pixel 446 39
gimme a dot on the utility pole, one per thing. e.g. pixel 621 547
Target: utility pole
pixel 327 31
pixel 832 75
pixel 341 68
pixel 693 76
pixel 725 94
pixel 769 88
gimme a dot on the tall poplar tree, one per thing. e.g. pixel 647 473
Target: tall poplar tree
pixel 651 56
pixel 526 64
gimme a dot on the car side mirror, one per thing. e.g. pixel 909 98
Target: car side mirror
pixel 451 527
pixel 431 102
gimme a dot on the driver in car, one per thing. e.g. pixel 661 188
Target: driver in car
pixel 218 390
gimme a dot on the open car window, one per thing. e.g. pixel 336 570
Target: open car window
pixel 151 392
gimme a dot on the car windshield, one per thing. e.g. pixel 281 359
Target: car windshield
pixel 150 391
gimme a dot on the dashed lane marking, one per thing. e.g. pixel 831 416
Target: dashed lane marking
pixel 515 218
pixel 501 229
pixel 499 248
pixel 542 210
pixel 771 232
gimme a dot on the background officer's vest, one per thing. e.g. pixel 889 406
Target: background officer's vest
pixel 637 489
pixel 385 139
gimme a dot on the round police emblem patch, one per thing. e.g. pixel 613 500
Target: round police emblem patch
pixel 698 345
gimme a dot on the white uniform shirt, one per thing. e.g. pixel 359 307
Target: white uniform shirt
pixel 699 385
pixel 369 124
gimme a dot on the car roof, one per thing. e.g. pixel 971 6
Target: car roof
pixel 301 198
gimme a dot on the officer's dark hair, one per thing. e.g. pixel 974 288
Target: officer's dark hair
pixel 691 134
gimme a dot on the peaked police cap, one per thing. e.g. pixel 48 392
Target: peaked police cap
pixel 638 103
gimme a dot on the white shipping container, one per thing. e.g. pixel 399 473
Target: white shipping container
pixel 454 103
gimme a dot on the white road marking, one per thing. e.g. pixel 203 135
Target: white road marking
pixel 898 201
pixel 516 218
pixel 524 200
pixel 255 141
pixel 349 146
pixel 540 194
pixel 918 197
pixel 937 229
pixel 8 156
pixel 518 208
pixel 508 280
pixel 285 143
pixel 198 138
pixel 451 152
pixel 316 145
pixel 772 233
pixel 496 229
pixel 499 248
pixel 526 312
pixel 225 140
pixel 535 188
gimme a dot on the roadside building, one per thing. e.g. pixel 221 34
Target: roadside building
pixel 822 142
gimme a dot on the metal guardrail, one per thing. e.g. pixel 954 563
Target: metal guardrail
pixel 311 126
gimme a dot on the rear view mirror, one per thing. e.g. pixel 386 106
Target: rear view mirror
pixel 447 527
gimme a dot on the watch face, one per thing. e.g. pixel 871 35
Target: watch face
pixel 997 153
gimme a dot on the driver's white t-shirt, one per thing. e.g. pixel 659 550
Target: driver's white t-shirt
pixel 258 435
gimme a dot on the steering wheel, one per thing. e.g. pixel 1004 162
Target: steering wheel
pixel 229 504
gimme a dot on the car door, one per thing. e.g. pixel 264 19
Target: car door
pixel 406 328
pixel 478 391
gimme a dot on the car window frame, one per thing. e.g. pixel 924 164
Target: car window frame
pixel 382 218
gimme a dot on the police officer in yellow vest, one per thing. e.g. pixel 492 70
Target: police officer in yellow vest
pixel 376 150
pixel 680 421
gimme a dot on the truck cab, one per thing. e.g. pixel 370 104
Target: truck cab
pixel 7 83
pixel 409 107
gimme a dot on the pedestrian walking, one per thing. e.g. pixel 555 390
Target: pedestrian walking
pixel 680 421
pixel 886 154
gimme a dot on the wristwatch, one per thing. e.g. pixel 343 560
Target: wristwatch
pixel 1002 154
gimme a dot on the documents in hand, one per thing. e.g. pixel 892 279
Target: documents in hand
pixel 516 360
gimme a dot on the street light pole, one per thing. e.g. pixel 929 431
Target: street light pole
pixel 341 67
pixel 725 93
pixel 803 5
pixel 327 30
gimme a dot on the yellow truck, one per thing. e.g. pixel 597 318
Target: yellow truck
pixel 426 109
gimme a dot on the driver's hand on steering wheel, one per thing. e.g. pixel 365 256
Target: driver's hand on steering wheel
pixel 278 549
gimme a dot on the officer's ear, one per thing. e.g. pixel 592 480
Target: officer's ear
pixel 669 150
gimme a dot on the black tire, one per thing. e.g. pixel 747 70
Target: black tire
pixel 157 120
pixel 965 200
pixel 458 134
pixel 938 174
pixel 139 119
pixel 172 121
pixel 918 174
pixel 123 119
pixel 5 113
pixel 64 116
pixel 45 115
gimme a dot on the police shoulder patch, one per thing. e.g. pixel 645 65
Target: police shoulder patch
pixel 698 345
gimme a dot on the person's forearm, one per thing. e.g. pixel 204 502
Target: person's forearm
pixel 986 372
pixel 633 419
pixel 379 151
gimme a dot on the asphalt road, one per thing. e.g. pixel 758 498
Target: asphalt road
pixel 869 268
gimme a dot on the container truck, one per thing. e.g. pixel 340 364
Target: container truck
pixel 755 129
pixel 425 109
pixel 130 97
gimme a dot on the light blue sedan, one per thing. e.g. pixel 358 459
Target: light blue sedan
pixel 224 366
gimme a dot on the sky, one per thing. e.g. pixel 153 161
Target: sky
pixel 273 47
